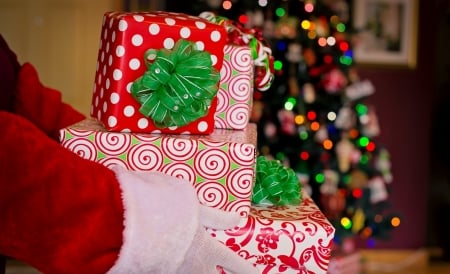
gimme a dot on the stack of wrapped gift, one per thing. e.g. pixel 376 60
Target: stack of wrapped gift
pixel 173 94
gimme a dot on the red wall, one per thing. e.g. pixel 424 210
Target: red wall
pixel 403 100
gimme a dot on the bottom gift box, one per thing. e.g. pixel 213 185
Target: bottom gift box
pixel 282 239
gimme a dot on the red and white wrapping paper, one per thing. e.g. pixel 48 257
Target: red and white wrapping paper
pixel 283 239
pixel 221 165
pixel 235 88
pixel 125 37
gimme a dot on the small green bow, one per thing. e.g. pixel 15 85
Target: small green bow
pixel 275 183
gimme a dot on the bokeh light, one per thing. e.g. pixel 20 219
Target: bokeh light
pixel 280 12
pixel 262 3
pixel 327 144
pixel 309 7
pixel 320 178
pixel 299 119
pixel 357 193
pixel 226 5
pixel 346 223
pixel 395 221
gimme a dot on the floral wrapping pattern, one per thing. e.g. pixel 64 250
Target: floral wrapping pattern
pixel 283 239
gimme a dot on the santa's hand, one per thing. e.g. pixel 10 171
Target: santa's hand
pixel 165 228
pixel 206 253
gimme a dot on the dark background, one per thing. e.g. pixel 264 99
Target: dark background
pixel 413 110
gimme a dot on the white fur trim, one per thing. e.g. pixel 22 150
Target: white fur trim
pixel 161 218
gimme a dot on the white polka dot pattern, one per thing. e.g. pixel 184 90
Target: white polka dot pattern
pixel 125 37
pixel 220 165
pixel 236 88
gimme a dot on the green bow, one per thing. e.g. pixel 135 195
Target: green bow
pixel 178 86
pixel 275 183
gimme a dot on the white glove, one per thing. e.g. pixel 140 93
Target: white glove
pixel 165 228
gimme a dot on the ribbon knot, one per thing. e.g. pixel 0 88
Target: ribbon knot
pixel 178 86
pixel 275 184
pixel 253 38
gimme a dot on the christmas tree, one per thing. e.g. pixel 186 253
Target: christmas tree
pixel 315 118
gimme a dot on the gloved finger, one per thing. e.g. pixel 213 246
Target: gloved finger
pixel 218 219
pixel 216 252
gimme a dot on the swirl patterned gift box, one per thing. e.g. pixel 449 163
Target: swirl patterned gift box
pixel 288 239
pixel 235 88
pixel 220 165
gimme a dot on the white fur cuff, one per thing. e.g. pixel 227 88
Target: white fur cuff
pixel 161 218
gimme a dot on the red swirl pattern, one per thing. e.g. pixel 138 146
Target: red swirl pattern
pixel 220 123
pixel 238 115
pixel 112 143
pixel 180 170
pixel 146 138
pixel 240 88
pixel 82 147
pixel 241 206
pixel 214 144
pixel 79 132
pixel 212 194
pixel 243 154
pixel 110 162
pixel 145 157
pixel 212 163
pixel 226 70
pixel 222 101
pixel 62 136
pixel 240 182
pixel 241 56
pixel 178 149
pixel 236 88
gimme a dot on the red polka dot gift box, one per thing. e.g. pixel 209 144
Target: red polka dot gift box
pixel 221 165
pixel 158 72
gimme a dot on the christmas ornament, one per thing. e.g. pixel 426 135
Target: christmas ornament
pixel 294 53
pixel 321 135
pixel 333 204
pixel 309 93
pixel 286 27
pixel 378 190
pixel 358 179
pixel 330 185
pixel 344 149
pixel 346 118
pixel 383 163
pixel 359 90
pixel 370 126
pixel 358 220
pixel 287 121
pixel 334 81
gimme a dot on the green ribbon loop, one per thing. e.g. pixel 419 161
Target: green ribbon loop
pixel 275 184
pixel 253 47
pixel 178 86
